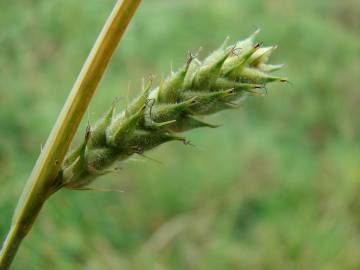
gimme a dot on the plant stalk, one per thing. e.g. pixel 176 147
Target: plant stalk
pixel 40 184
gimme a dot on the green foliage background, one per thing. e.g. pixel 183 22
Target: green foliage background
pixel 276 187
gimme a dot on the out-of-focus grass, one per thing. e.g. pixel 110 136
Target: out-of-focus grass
pixel 276 187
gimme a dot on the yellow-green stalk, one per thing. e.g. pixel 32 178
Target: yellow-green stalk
pixel 40 184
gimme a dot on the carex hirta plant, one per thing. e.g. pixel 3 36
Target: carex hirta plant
pixel 179 103
pixel 160 114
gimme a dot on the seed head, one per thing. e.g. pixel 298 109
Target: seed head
pixel 220 82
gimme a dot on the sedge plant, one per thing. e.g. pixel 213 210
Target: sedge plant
pixel 160 114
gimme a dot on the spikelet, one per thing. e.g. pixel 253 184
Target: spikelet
pixel 225 78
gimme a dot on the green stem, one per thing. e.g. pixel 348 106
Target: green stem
pixel 10 246
pixel 40 184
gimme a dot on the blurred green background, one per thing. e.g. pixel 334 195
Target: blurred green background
pixel 276 187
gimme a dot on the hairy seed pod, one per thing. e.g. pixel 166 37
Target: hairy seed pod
pixel 226 77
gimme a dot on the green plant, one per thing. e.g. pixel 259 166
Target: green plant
pixel 225 78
